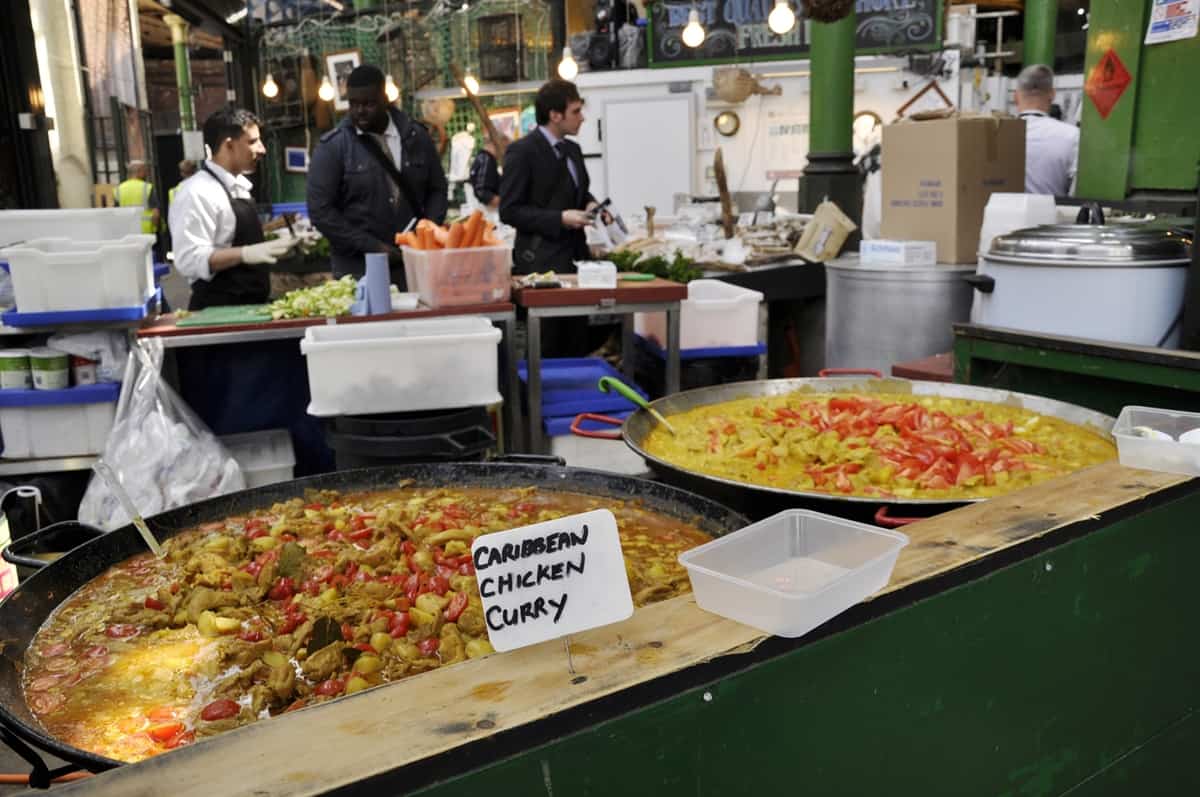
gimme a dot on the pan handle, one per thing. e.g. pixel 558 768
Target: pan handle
pixel 882 518
pixel 530 459
pixel 850 372
pixel 577 429
pixel 64 536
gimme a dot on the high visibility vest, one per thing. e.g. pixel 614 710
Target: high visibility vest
pixel 136 193
pixel 171 195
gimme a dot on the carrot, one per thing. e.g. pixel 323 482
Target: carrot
pixel 441 235
pixel 490 239
pixel 456 236
pixel 425 238
pixel 474 232
pixel 406 239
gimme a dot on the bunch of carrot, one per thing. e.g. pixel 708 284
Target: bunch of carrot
pixel 473 231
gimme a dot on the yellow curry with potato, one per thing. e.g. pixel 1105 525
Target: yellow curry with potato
pixel 293 605
pixel 878 445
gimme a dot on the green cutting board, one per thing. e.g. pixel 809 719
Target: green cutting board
pixel 227 315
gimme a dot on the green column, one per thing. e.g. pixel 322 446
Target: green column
pixel 831 98
pixel 1040 19
pixel 183 70
pixel 830 172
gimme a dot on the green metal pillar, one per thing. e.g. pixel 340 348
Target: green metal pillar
pixel 830 171
pixel 183 69
pixel 1040 19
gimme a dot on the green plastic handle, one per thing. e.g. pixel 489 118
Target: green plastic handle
pixel 636 277
pixel 608 383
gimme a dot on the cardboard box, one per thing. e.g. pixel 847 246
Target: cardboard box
pixel 898 253
pixel 939 173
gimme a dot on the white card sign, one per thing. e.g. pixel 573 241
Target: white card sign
pixel 551 579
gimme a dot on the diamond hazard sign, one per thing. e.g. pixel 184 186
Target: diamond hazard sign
pixel 1107 82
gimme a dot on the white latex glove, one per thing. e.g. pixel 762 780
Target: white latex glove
pixel 266 252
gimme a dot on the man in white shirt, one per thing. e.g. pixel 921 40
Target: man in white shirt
pixel 1051 146
pixel 215 232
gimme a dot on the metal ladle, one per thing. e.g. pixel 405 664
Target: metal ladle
pixel 114 484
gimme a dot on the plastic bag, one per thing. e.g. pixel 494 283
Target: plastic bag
pixel 162 453
pixel 109 349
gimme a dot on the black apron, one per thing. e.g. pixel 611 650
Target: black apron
pixel 250 386
pixel 240 284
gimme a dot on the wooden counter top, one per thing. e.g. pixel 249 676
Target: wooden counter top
pixel 316 750
pixel 648 292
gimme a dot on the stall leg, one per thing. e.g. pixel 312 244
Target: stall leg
pixel 627 355
pixel 673 351
pixel 534 364
pixel 512 389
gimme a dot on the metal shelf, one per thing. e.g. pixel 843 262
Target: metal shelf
pixel 18 467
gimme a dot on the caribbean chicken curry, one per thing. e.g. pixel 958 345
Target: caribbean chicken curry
pixel 878 445
pixel 294 605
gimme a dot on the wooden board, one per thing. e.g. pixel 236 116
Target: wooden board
pixel 654 291
pixel 390 726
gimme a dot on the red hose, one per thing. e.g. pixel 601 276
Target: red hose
pixel 850 372
pixel 576 426
pixel 22 780
pixel 882 518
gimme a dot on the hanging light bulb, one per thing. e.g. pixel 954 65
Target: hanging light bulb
pixel 567 68
pixel 471 83
pixel 693 33
pixel 325 90
pixel 270 88
pixel 781 19
pixel 391 89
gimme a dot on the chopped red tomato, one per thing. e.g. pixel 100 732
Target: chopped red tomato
pixel 219 710
pixel 181 740
pixel 457 604
pixel 428 646
pixel 121 630
pixel 154 603
pixel 283 589
pixel 165 732
pixel 398 627
pixel 331 687
pixel 347 632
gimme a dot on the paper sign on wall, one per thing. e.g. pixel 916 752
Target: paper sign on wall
pixel 551 579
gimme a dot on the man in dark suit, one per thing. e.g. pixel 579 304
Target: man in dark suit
pixel 544 191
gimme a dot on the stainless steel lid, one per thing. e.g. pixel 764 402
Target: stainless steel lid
pixel 1125 245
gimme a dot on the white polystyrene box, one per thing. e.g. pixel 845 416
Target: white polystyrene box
pixel 265 457
pixel 84 224
pixel 60 274
pixel 401 366
pixel 65 430
pixel 714 315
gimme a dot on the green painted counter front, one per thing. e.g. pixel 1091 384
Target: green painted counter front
pixel 1069 664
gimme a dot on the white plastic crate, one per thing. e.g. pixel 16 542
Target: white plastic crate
pixel 445 277
pixel 37 424
pixel 715 315
pixel 87 224
pixel 60 274
pixel 1152 453
pixel 265 457
pixel 401 366
pixel 790 573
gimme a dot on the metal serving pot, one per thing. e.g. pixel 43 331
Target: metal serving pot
pixel 25 610
pixel 759 500
pixel 1119 282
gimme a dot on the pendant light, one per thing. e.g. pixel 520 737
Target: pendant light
pixel 471 84
pixel 270 88
pixel 391 89
pixel 781 19
pixel 693 32
pixel 325 90
pixel 567 67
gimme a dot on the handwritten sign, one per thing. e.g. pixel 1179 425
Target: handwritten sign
pixel 737 31
pixel 551 579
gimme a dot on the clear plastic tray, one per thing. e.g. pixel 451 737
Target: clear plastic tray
pixel 790 573
pixel 1148 453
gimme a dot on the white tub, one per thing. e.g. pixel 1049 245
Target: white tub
pixel 60 274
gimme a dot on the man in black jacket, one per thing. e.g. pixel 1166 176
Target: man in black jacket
pixel 544 191
pixel 370 176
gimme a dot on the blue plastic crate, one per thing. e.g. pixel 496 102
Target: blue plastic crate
pixel 569 387
pixel 15 318
pixel 279 208
pixel 101 393
pixel 651 346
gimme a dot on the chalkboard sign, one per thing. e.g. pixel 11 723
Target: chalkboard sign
pixel 737 30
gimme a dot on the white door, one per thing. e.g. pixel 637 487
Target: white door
pixel 648 152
